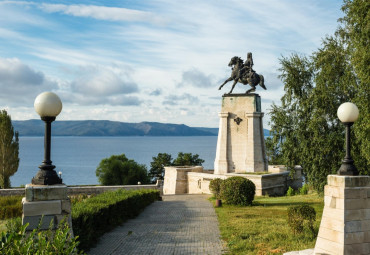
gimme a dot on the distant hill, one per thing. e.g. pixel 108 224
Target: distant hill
pixel 111 128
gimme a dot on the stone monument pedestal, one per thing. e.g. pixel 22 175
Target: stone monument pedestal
pixel 345 224
pixel 46 202
pixel 240 144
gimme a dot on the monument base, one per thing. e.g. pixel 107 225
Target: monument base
pixel 345 224
pixel 195 180
pixel 240 142
pixel 44 204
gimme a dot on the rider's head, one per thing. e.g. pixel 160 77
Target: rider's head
pixel 249 55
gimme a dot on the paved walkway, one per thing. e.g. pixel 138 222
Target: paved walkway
pixel 180 224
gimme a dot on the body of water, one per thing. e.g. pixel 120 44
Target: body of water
pixel 78 157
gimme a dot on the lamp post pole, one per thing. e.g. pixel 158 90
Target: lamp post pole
pixel 348 167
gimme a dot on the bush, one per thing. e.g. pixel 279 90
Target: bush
pixel 290 192
pixel 300 216
pixel 238 191
pixel 119 170
pixel 14 225
pixel 304 189
pixel 10 207
pixel 16 241
pixel 94 216
pixel 215 187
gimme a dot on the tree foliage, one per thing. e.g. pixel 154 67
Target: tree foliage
pixel 9 150
pixel 119 170
pixel 165 159
pixel 305 127
pixel 187 159
pixel 158 164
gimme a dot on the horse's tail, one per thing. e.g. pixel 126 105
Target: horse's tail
pixel 262 81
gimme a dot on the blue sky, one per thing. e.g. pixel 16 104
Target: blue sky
pixel 162 60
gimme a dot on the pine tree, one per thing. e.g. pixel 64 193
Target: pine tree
pixel 9 150
pixel 158 164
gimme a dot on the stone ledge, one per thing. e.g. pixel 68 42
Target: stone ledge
pixel 75 190
pixel 42 207
pixel 348 181
pixel 45 192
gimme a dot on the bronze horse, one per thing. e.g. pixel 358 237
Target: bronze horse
pixel 240 73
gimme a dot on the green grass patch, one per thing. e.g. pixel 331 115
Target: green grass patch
pixel 263 228
pixel 10 207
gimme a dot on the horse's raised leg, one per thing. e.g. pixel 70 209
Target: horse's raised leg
pixel 230 79
pixel 232 88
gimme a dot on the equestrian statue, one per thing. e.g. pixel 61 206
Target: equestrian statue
pixel 244 73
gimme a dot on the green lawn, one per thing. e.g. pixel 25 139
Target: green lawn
pixel 263 228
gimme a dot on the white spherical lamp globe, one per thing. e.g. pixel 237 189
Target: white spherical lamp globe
pixel 48 104
pixel 347 112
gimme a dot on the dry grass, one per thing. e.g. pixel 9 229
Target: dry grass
pixel 262 228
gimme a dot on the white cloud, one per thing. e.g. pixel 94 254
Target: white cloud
pixel 101 81
pixel 20 84
pixel 196 78
pixel 101 12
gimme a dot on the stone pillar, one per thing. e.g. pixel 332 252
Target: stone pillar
pixel 256 160
pixel 345 224
pixel 46 202
pixel 240 144
pixel 220 165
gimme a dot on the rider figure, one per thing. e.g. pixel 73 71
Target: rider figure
pixel 248 65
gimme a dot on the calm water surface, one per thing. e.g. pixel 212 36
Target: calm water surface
pixel 78 157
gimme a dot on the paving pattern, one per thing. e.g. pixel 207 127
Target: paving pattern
pixel 180 224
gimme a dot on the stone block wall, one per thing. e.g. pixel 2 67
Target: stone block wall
pixel 345 224
pixel 196 181
pixel 46 204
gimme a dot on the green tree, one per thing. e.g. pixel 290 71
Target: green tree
pixel 9 150
pixel 158 164
pixel 187 159
pixel 355 31
pixel 305 127
pixel 119 170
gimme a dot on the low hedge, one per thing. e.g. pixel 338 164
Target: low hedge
pixel 93 217
pixel 10 207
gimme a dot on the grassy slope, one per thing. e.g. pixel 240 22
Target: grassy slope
pixel 262 228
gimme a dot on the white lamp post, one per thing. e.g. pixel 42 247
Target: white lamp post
pixel 48 105
pixel 348 114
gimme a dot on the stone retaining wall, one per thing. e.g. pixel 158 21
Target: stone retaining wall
pixel 88 190
pixel 193 180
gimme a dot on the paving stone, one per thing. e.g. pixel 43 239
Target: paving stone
pixel 180 224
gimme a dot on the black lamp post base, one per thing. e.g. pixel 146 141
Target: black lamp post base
pixel 46 177
pixel 348 168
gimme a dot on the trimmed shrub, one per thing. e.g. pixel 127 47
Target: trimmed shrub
pixel 215 187
pixel 93 217
pixel 290 192
pixel 17 241
pixel 10 207
pixel 304 189
pixel 238 191
pixel 301 216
